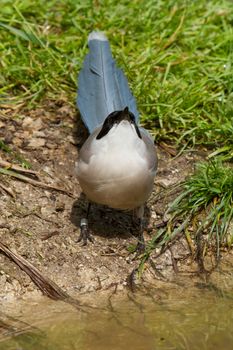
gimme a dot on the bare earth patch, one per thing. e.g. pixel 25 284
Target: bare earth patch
pixel 42 225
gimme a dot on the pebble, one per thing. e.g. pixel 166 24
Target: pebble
pixel 36 143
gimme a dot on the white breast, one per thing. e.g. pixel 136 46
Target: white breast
pixel 114 171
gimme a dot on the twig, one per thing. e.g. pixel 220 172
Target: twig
pixel 4 225
pixel 49 235
pixel 14 327
pixel 169 149
pixel 7 190
pixel 174 262
pixel 156 271
pixel 131 280
pixel 47 287
pixel 8 165
pixel 199 251
pixel 34 182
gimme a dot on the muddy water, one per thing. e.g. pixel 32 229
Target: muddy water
pixel 198 319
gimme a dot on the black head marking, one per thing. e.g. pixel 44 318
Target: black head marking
pixel 115 118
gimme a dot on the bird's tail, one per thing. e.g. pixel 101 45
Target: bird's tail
pixel 102 87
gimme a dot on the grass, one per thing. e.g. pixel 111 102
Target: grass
pixel 177 56
pixel 203 213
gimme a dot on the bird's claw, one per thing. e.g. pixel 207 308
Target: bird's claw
pixel 85 235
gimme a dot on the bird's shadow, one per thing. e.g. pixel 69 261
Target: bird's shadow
pixel 106 222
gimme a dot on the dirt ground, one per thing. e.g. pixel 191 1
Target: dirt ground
pixel 42 225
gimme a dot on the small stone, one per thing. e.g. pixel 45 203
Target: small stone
pixel 36 143
pixel 30 123
pixel 17 142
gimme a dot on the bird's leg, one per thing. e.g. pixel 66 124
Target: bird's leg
pixel 141 241
pixel 140 248
pixel 84 230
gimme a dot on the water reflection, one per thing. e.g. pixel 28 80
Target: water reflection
pixel 200 320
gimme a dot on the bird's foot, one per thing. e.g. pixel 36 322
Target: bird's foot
pixel 140 248
pixel 85 235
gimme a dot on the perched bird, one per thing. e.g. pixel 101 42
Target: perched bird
pixel 117 163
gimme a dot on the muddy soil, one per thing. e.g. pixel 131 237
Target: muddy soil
pixel 42 225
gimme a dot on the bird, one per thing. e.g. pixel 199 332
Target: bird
pixel 117 163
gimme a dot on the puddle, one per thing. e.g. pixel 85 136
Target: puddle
pixel 193 319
